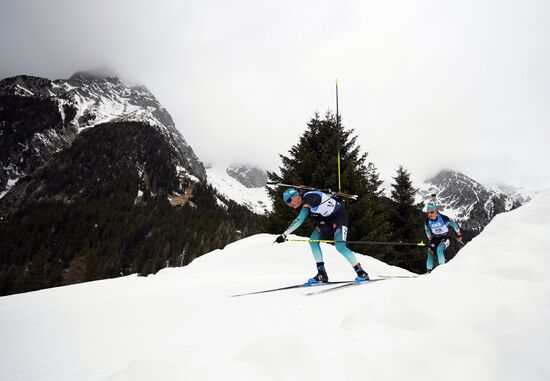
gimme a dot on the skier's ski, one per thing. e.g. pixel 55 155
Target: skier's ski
pixel 305 187
pixel 291 287
pixel 398 276
pixel 346 285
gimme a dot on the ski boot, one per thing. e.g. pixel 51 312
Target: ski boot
pixel 362 276
pixel 321 276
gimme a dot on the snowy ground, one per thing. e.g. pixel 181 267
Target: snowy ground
pixel 483 316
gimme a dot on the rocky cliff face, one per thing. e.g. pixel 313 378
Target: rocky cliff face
pixel 129 158
pixel 249 176
pixel 39 117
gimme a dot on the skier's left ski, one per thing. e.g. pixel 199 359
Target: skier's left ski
pixel 291 287
pixel 398 276
pixel 345 285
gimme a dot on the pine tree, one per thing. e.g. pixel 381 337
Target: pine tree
pixel 313 162
pixel 373 181
pixel 406 219
pixel 402 194
pixel 35 275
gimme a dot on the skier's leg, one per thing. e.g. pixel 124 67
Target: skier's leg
pixel 318 255
pixel 340 234
pixel 441 251
pixel 430 261
pixel 315 247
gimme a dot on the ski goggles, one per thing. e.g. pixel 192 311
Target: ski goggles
pixel 288 200
pixel 431 212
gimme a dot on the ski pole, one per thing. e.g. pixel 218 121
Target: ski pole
pixel 360 242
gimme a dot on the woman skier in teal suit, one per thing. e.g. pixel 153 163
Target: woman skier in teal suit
pixel 332 223
pixel 437 231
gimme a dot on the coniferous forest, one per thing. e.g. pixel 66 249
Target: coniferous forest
pixel 79 218
pixel 57 244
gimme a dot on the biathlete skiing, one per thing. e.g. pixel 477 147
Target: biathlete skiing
pixel 437 231
pixel 332 224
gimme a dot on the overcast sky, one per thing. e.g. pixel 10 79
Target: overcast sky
pixel 428 84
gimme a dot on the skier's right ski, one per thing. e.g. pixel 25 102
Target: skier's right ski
pixel 347 284
pixel 291 287
pixel 398 276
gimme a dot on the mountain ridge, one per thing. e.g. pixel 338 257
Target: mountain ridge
pixel 460 197
pixel 82 101
pixel 97 183
pixel 256 199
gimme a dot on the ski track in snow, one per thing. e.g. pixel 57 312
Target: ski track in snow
pixel 482 316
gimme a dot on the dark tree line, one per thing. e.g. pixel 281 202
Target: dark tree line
pixel 79 217
pixel 54 244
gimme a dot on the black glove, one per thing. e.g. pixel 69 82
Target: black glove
pixel 281 238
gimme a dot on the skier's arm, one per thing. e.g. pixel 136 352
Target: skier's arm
pixel 304 212
pixel 428 232
pixel 454 225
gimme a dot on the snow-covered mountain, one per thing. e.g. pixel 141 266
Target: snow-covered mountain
pixel 248 175
pixel 84 100
pixel 101 184
pixel 466 200
pixel 518 194
pixel 231 186
pixel 483 316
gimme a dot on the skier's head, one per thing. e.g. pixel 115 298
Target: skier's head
pixel 431 208
pixel 288 194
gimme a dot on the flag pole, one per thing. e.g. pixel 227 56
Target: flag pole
pixel 338 137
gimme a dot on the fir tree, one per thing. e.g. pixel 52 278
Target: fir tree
pixel 404 216
pixel 406 219
pixel 313 162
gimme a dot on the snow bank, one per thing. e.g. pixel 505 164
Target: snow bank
pixel 482 316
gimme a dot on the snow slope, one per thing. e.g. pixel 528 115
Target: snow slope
pixel 483 316
pixel 255 199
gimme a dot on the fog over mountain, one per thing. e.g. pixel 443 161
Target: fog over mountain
pixel 426 84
